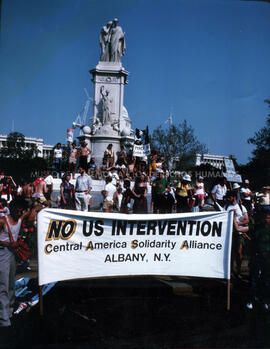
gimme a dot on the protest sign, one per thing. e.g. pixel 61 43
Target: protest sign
pixel 74 244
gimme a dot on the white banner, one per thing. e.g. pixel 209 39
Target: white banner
pixel 74 244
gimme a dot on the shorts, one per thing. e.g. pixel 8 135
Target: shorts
pixel 107 205
pixel 72 161
pixel 41 198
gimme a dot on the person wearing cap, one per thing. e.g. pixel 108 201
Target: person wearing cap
pixel 183 194
pixel 200 191
pixel 264 198
pixel 219 191
pixel 236 189
pixel 246 195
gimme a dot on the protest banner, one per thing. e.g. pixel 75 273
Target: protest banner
pixel 74 244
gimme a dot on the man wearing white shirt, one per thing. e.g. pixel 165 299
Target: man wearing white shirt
pixel 109 191
pixel 219 191
pixel 83 187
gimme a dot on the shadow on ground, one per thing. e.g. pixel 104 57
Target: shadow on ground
pixel 142 312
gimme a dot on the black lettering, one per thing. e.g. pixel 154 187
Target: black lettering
pixel 171 228
pixel 207 225
pixel 151 227
pixel 141 228
pixel 217 227
pixel 99 228
pixel 182 226
pixel 121 226
pixel 87 228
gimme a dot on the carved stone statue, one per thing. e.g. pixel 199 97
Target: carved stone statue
pixel 106 106
pixel 117 42
pixel 104 39
pixel 112 42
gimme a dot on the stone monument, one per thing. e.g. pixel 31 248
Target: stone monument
pixel 110 122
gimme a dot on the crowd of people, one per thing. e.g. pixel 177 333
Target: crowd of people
pixel 133 185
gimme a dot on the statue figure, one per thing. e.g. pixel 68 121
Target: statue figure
pixel 106 110
pixel 117 42
pixel 104 39
pixel 96 126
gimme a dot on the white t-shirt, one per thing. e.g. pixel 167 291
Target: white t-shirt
pixel 238 212
pixel 58 153
pixel 6 213
pixel 200 188
pixel 110 188
pixel 247 191
pixel 49 180
pixel 220 191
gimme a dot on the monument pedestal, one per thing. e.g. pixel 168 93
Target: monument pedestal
pixel 110 122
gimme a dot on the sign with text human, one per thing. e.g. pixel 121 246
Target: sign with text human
pixel 74 244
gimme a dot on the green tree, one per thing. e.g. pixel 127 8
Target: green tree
pixel 18 161
pixel 259 166
pixel 177 142
pixel 15 147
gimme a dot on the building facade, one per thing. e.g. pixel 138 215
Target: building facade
pixel 44 150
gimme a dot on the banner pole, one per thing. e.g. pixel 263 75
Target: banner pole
pixel 229 295
pixel 41 312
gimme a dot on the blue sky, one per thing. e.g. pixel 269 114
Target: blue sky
pixel 206 61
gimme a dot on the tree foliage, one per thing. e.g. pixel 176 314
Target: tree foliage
pixel 18 161
pixel 15 147
pixel 259 165
pixel 177 141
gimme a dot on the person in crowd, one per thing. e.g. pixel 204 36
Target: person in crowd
pixel 49 183
pixel 4 210
pixel 127 197
pixel 104 169
pixel 8 188
pixel 72 160
pixel 3 180
pixel 219 192
pixel 160 185
pixel 83 186
pixel 28 191
pixel 93 168
pixel 109 191
pixel 66 192
pixel 58 159
pixel 184 194
pixel 13 223
pixel 40 189
pixel 236 187
pixel 160 164
pixel 117 198
pixel 140 191
pixel 169 199
pixel 109 155
pixel 114 174
pixel 260 262
pixel 122 157
pixel 83 159
pixel 200 191
pixel 153 162
pixel 264 198
pixel 246 195
pixel 240 229
pixel 131 164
